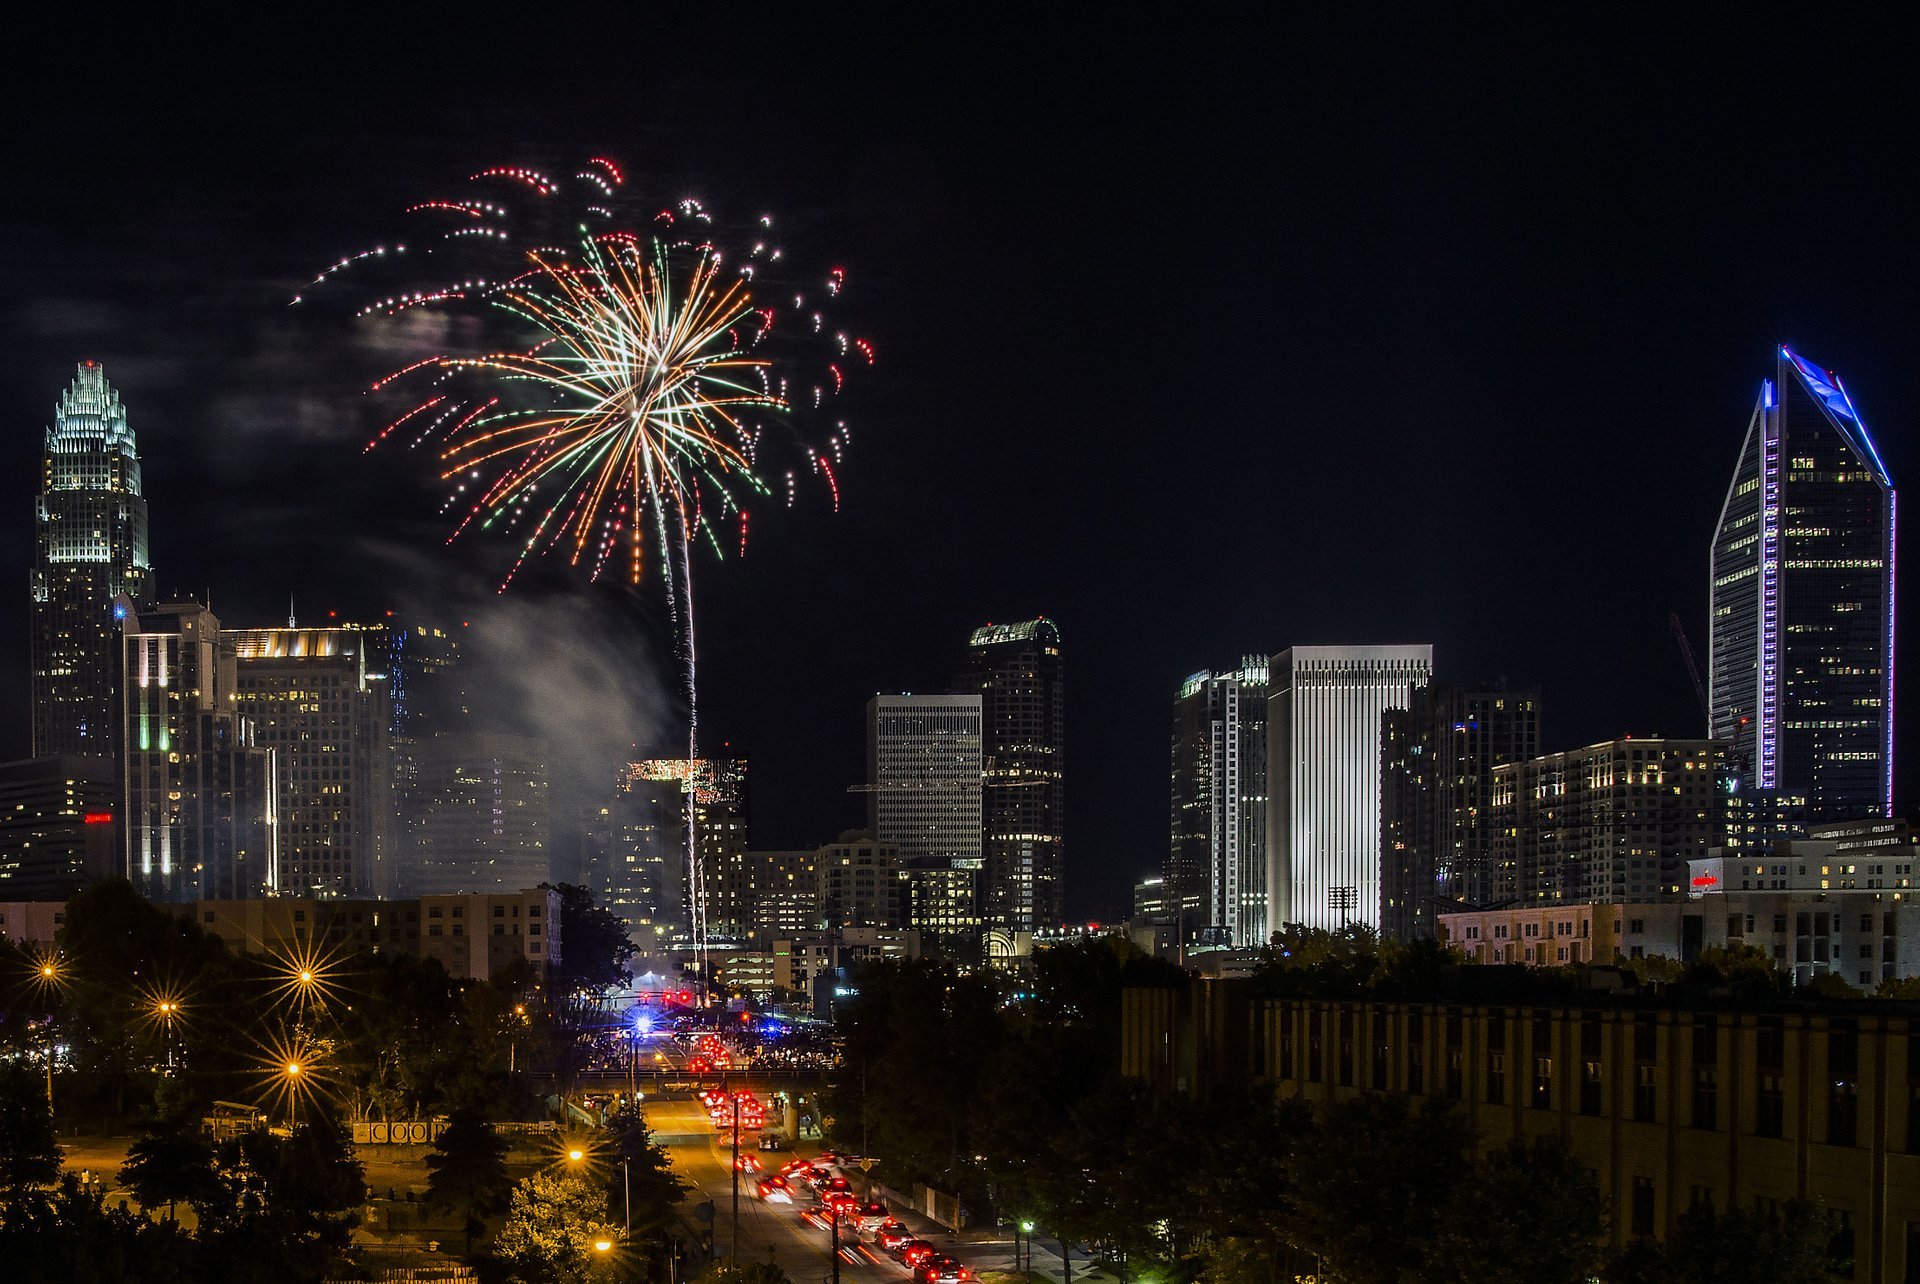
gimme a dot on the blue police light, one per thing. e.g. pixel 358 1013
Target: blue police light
pixel 644 1026
pixel 119 610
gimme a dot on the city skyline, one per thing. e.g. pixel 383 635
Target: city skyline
pixel 1506 349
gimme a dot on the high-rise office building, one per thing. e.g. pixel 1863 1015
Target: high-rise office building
pixel 1218 846
pixel 200 818
pixel 427 697
pixel 1802 583
pixel 1016 670
pixel 1616 821
pixel 1324 706
pixel 861 883
pixel 924 802
pixel 319 700
pixel 90 562
pixel 786 897
pixel 712 792
pixel 58 829
pixel 1437 757
pixel 484 821
pixel 635 859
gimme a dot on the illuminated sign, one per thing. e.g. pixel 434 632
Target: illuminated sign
pixel 1706 880
pixel 99 818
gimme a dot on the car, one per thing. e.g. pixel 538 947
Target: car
pixel 747 1162
pixel 794 1167
pixel 838 1184
pixel 941 1269
pixel 891 1233
pixel 871 1213
pixel 827 1157
pixel 773 1143
pixel 774 1189
pixel 913 1251
pixel 818 1177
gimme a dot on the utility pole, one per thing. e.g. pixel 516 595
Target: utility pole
pixel 833 1232
pixel 733 1246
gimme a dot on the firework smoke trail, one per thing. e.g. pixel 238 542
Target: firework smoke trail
pixel 649 362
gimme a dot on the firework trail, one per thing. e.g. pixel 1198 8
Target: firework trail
pixel 645 367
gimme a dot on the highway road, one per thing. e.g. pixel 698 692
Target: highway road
pixel 776 1232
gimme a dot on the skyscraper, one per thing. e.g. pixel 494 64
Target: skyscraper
pixel 924 801
pixel 200 814
pixel 1016 670
pixel 484 822
pixel 1802 583
pixel 57 831
pixel 1218 844
pixel 90 538
pixel 316 698
pixel 1616 821
pixel 1324 707
pixel 426 697
pixel 712 792
pixel 1436 778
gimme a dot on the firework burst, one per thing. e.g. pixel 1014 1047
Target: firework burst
pixel 648 370
pixel 654 365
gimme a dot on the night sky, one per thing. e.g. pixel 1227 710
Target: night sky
pixel 1200 337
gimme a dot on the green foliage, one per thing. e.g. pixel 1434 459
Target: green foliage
pixel 1740 1246
pixel 594 946
pixel 1369 1187
pixel 170 1165
pixel 467 1171
pixel 918 1043
pixel 1831 985
pixel 1526 1215
pixel 29 1156
pixel 287 1204
pixel 647 1176
pixel 69 1237
pixel 553 1221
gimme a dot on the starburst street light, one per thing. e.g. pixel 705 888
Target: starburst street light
pixel 162 1007
pixel 305 977
pixel 292 1071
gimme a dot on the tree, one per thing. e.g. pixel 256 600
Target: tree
pixel 553 1222
pixel 594 946
pixel 283 1207
pixel 641 1171
pixel 169 1165
pixel 1528 1215
pixel 468 1171
pixel 1368 1189
pixel 69 1237
pixel 29 1156
pixel 1740 1246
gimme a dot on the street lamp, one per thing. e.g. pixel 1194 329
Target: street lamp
pixel 293 1070
pixel 166 1010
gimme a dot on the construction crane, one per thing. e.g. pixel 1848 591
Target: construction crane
pixel 1735 753
pixel 1693 669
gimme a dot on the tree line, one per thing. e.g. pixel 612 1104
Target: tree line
pixel 1008 1093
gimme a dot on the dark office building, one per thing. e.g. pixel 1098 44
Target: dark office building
pixel 90 557
pixel 1217 844
pixel 57 826
pixel 1016 671
pixel 1802 567
pixel 1436 779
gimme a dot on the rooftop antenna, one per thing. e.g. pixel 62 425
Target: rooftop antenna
pixel 290 623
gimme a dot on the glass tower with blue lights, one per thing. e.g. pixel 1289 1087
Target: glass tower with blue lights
pixel 1802 598
pixel 90 560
